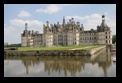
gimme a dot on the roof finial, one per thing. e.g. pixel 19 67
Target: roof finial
pixel 103 18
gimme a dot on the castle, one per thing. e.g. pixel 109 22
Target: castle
pixel 67 34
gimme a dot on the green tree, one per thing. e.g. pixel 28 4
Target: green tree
pixel 14 45
pixel 114 39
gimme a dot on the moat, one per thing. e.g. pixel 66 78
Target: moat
pixel 61 66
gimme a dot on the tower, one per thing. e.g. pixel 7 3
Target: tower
pixel 103 24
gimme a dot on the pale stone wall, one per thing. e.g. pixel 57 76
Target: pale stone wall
pixel 105 37
pixel 101 38
pixel 88 38
pixel 77 38
pixel 64 39
pixel 70 39
pixel 55 39
pixel 48 40
pixel 30 41
pixel 24 41
pixel 109 37
pixel 38 40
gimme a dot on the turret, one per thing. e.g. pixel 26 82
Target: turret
pixel 103 24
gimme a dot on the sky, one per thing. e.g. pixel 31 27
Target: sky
pixel 90 15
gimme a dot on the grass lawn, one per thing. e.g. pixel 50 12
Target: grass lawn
pixel 57 48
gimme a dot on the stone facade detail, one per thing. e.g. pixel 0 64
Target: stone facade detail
pixel 67 34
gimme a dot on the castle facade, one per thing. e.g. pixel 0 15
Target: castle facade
pixel 67 34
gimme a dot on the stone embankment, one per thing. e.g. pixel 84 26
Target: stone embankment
pixel 54 52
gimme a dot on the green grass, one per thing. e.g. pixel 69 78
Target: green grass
pixel 57 48
pixel 49 48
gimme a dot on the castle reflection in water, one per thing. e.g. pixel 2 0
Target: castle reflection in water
pixel 67 64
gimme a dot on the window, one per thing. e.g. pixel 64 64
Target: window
pixel 106 42
pixel 105 32
pixel 106 37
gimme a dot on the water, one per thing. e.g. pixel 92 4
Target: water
pixel 64 66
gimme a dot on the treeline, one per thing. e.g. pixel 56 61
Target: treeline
pixel 113 39
pixel 13 45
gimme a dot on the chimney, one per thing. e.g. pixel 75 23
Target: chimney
pixel 47 23
pixel 26 26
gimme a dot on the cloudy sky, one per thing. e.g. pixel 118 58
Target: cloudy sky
pixel 16 15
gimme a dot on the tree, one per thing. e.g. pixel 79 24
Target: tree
pixel 14 45
pixel 113 39
pixel 5 44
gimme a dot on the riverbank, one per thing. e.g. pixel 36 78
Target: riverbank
pixel 78 52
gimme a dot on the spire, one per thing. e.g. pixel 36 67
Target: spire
pixel 63 20
pixel 26 26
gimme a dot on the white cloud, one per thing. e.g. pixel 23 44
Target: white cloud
pixel 93 16
pixel 91 21
pixel 19 22
pixel 12 34
pixel 52 8
pixel 24 14
pixel 15 28
pixel 8 30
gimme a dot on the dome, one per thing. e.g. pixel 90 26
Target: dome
pixel 103 24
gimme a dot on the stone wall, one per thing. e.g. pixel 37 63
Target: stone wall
pixel 55 52
pixel 96 50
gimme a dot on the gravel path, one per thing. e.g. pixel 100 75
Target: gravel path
pixel 80 48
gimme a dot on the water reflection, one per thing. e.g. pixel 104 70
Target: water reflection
pixel 64 66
